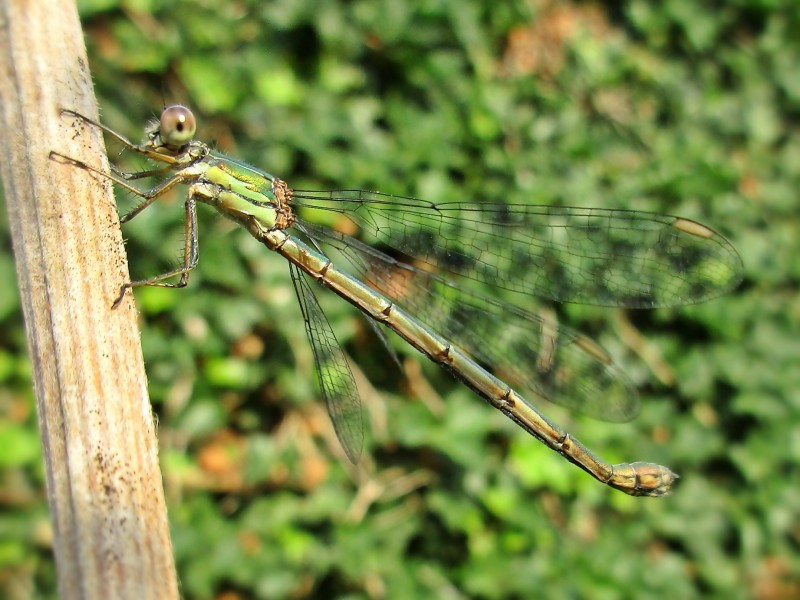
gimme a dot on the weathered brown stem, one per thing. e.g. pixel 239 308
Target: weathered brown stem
pixel 111 538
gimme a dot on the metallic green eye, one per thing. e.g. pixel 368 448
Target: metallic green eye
pixel 177 125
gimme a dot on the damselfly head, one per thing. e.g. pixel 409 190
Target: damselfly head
pixel 175 129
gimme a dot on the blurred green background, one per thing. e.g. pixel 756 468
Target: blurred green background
pixel 679 107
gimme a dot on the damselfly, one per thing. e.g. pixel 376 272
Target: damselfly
pixel 425 291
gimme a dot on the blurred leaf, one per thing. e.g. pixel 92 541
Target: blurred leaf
pixel 19 445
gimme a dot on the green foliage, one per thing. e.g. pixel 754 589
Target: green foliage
pixel 673 107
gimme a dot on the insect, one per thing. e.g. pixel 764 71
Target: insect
pixel 425 291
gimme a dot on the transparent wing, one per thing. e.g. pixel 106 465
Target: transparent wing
pixel 587 255
pixel 335 378
pixel 524 349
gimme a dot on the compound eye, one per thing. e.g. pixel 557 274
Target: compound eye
pixel 177 125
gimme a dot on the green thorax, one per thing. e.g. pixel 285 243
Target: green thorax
pixel 240 191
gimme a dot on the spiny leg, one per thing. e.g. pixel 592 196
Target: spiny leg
pixel 157 156
pixel 141 174
pixel 149 196
pixel 190 249
pixel 191 254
